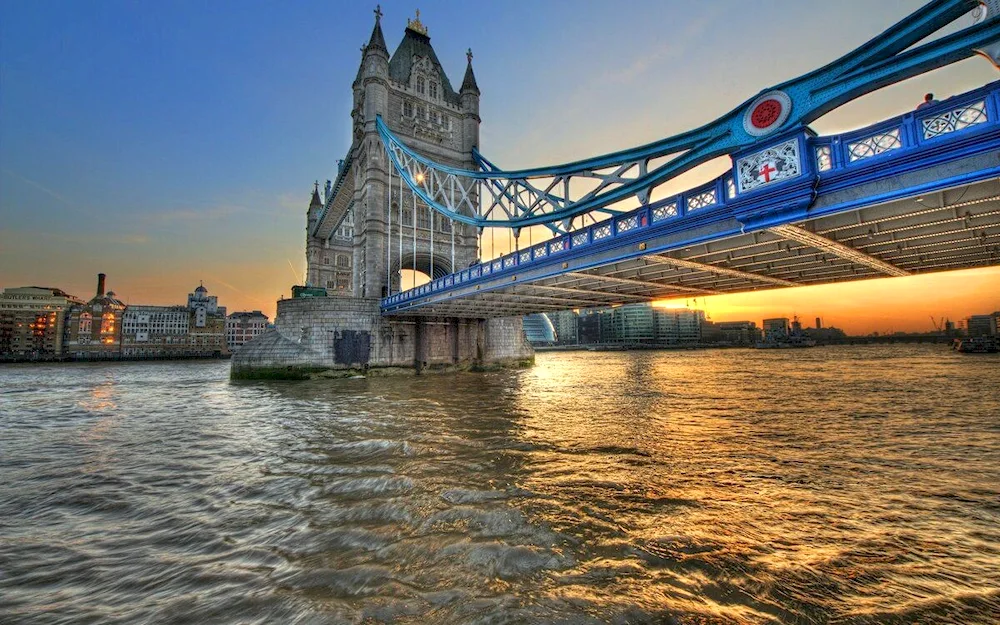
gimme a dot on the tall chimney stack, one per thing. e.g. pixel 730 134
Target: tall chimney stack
pixel 100 285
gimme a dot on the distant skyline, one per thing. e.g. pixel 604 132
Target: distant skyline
pixel 170 143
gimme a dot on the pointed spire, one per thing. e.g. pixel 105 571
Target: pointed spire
pixel 377 40
pixel 469 82
pixel 315 198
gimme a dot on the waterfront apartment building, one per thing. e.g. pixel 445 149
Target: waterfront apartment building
pixel 590 324
pixel 197 330
pixel 566 325
pixel 983 325
pixel 41 322
pixel 639 324
pixel 32 321
pixel 776 329
pixel 244 326
pixel 678 326
pixel 736 333
pixel 155 331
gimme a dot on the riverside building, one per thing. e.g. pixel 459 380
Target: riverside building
pixel 93 330
pixel 566 324
pixel 982 325
pixel 155 331
pixel 32 320
pixel 637 324
pixel 776 329
pixel 244 326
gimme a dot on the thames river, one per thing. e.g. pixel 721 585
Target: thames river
pixel 826 485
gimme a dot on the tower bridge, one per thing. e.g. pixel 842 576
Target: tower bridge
pixel 911 194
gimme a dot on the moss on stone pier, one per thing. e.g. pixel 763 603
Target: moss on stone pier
pixel 325 373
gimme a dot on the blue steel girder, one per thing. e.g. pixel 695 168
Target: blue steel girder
pixel 492 197
pixel 946 146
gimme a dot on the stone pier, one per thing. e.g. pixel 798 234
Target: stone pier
pixel 347 336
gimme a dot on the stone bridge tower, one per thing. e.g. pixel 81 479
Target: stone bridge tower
pixel 410 90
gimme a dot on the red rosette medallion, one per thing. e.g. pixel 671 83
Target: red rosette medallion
pixel 767 113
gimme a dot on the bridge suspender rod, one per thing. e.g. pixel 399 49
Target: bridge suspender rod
pixel 430 213
pixel 451 225
pixel 400 257
pixel 400 243
pixel 388 233
pixel 414 236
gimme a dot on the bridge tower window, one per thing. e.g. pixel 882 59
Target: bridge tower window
pixel 407 109
pixel 421 85
pixel 434 90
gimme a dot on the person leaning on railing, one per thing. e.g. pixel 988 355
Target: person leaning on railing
pixel 928 101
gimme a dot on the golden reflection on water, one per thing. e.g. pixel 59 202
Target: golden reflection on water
pixel 755 466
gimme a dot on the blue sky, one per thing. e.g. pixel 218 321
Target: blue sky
pixel 170 142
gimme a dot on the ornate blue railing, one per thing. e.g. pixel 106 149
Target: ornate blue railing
pixel 844 157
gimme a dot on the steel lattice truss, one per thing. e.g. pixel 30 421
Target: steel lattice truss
pixel 560 197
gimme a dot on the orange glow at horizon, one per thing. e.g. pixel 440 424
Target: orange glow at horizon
pixel 878 305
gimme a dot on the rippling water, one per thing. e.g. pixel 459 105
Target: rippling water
pixel 832 485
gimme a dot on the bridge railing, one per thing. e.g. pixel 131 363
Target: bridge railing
pixel 956 118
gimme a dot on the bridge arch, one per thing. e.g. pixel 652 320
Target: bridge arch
pixel 423 264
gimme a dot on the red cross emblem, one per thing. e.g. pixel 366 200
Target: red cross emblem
pixel 766 170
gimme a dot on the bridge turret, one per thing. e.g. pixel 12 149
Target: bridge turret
pixel 470 107
pixel 313 245
pixel 373 75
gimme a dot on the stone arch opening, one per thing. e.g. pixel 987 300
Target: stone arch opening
pixel 414 270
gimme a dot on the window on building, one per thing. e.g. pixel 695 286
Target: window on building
pixel 407 217
pixel 407 109
pixel 342 283
pixel 423 219
pixel 108 323
pixel 421 85
pixel 343 260
pixel 434 90
pixel 326 260
pixel 422 112
pixel 445 224
pixel 85 323
pixel 329 284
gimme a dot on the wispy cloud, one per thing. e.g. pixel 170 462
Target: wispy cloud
pixel 53 194
pixel 38 186
pixel 184 215
pixel 669 50
pixel 293 202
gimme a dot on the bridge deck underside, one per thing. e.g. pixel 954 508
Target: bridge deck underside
pixel 954 229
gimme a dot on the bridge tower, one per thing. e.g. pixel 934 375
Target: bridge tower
pixel 412 93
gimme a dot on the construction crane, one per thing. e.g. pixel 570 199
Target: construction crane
pixel 937 324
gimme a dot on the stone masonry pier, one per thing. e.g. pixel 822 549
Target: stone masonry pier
pixel 346 336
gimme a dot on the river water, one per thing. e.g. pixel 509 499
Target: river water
pixel 831 485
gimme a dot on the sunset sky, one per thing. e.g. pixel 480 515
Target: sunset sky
pixel 175 142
